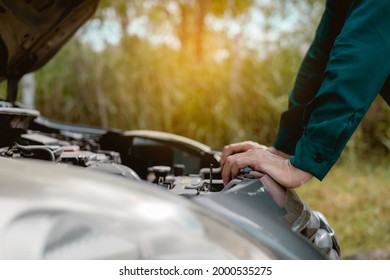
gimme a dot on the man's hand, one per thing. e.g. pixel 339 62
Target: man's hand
pixel 264 159
pixel 239 148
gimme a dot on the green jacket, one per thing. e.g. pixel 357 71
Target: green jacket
pixel 346 67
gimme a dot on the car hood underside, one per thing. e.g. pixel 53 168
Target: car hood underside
pixel 31 33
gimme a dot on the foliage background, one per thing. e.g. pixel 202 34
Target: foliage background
pixel 189 67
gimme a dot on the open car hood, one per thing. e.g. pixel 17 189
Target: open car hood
pixel 31 32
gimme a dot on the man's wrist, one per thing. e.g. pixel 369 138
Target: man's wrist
pixel 278 152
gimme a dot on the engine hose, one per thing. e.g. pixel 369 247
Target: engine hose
pixel 40 152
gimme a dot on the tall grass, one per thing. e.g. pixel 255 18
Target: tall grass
pixel 355 198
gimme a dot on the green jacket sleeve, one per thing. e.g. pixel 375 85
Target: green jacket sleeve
pixel 309 77
pixel 342 73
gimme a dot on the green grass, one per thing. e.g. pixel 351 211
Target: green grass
pixel 355 198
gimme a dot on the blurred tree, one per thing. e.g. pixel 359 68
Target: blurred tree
pixel 186 18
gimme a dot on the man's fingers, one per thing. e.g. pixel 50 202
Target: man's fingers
pixel 236 162
pixel 228 169
pixel 238 148
pixel 231 168
pixel 231 150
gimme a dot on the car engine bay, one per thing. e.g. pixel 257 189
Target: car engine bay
pixel 172 162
